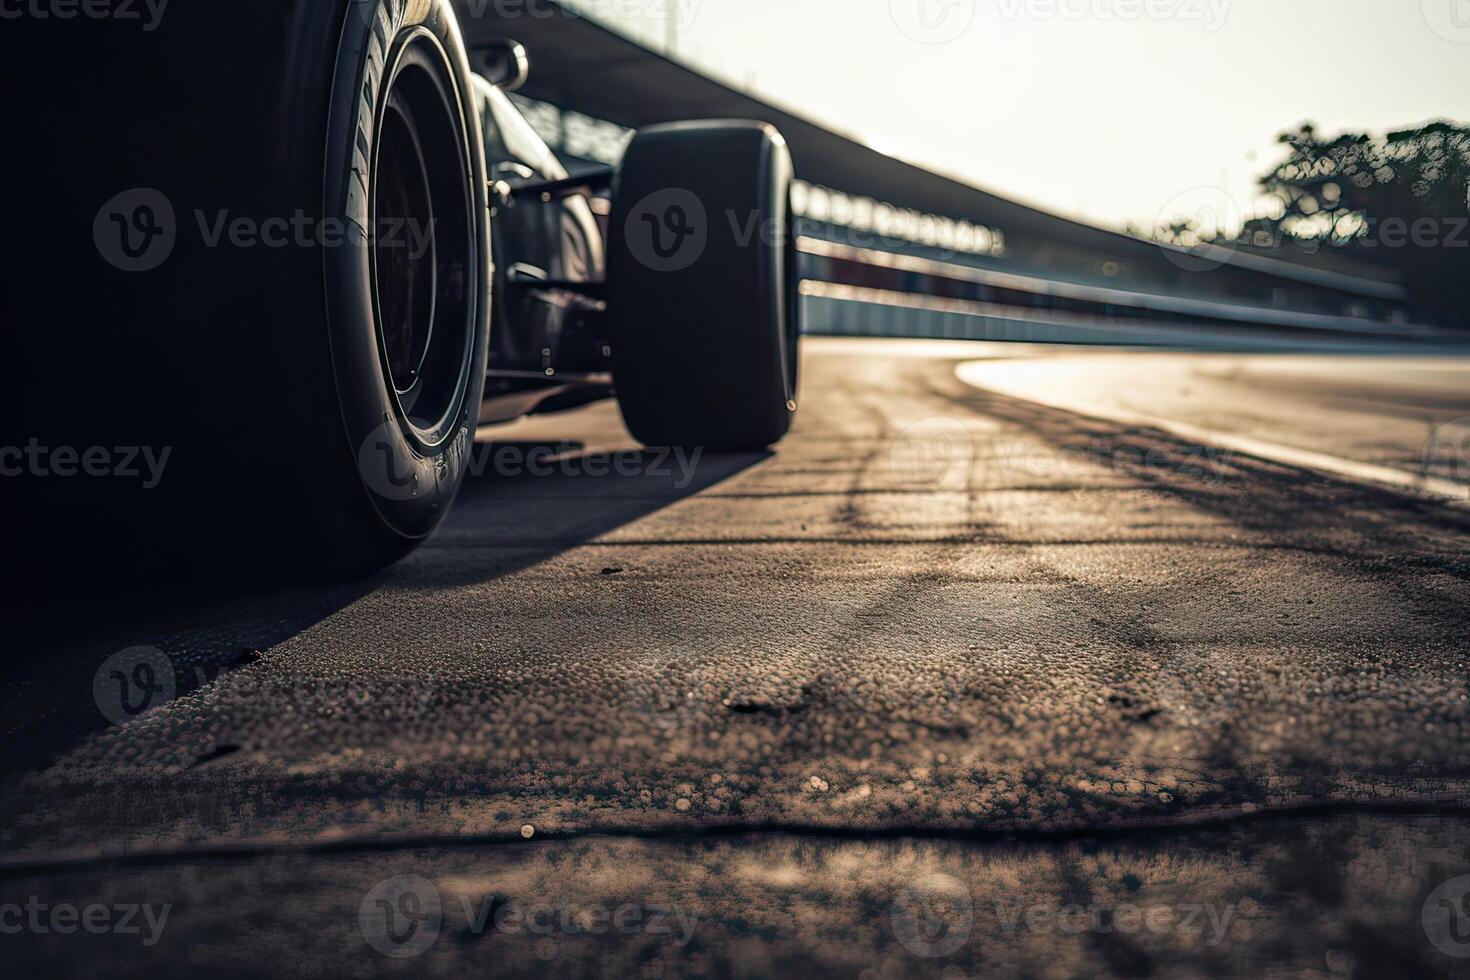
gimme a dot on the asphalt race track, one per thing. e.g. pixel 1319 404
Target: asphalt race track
pixel 956 682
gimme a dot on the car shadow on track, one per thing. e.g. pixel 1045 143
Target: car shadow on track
pixel 527 502
pixel 524 502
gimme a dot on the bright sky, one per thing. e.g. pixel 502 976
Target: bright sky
pixel 1065 103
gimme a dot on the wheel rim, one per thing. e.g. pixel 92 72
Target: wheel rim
pixel 423 245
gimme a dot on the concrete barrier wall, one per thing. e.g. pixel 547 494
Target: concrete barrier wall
pixel 824 316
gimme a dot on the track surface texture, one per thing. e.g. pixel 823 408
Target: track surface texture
pixel 944 655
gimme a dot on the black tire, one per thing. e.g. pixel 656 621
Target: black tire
pixel 702 286
pixel 316 385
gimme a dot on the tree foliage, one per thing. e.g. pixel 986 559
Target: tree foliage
pixel 1338 190
pixel 1399 200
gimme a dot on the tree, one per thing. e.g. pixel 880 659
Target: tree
pixel 1402 200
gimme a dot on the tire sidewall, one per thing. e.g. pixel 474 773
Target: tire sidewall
pixel 702 352
pixel 409 484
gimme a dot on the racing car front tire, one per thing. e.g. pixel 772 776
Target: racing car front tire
pixel 702 286
pixel 259 256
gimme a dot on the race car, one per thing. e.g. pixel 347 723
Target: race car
pixel 304 249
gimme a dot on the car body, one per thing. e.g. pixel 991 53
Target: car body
pixel 324 391
pixel 548 345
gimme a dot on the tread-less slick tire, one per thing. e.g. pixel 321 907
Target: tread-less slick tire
pixel 259 242
pixel 702 286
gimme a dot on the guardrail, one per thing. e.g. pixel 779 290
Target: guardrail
pixel 850 289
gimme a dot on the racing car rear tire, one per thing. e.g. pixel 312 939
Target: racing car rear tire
pixel 702 286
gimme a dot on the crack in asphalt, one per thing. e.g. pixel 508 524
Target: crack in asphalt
pixel 1150 830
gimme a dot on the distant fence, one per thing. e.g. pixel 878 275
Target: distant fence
pixel 877 293
pixel 829 312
